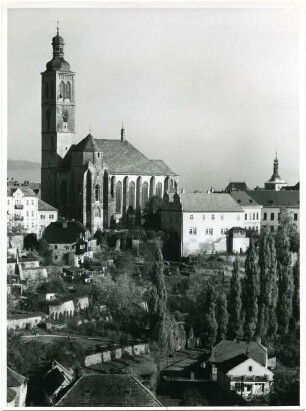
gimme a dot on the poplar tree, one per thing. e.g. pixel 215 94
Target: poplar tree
pixel 273 291
pixel 296 294
pixel 158 303
pixel 234 303
pixel 285 285
pixel 222 317
pixel 210 322
pixel 252 290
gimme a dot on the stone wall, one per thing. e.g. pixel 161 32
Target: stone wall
pixel 22 323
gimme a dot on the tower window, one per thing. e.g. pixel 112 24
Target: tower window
pixel 97 192
pixel 65 116
pixel 62 90
pixel 68 90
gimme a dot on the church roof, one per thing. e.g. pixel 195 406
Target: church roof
pixel 88 144
pixel 123 158
pixel 58 63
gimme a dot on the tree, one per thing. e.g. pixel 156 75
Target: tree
pixel 151 213
pixel 44 251
pixel 158 303
pixel 252 288
pixel 234 304
pixel 285 288
pixel 267 321
pixel 222 317
pixel 296 294
pixel 285 390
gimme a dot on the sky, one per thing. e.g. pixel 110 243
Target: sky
pixel 212 92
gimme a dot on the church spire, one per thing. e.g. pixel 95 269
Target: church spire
pixel 58 43
pixel 275 167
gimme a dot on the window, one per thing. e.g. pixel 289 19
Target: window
pixel 209 231
pixel 97 192
pixel 272 216
pixel 191 216
pixel 272 229
pixel 27 214
pixel 27 202
pixel 66 247
pixel 278 216
pixel 62 90
pixel 8 202
pixel 192 230
pixel 55 247
pixel 295 216
pixel 246 216
pixel 265 216
pixel 203 217
pixel 68 91
pixel 42 216
pixel 32 213
pixel 253 216
pixel 55 257
pixel 223 230
pixel 32 224
pixel 257 216
pixel 238 386
pixel 212 216
pixel 250 368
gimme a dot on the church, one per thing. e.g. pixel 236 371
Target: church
pixel 97 180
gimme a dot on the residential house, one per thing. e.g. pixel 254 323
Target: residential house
pixel 237 240
pixel 252 210
pixel 25 209
pixel 69 241
pixel 16 389
pixel 199 222
pixel 18 321
pixel 273 202
pixel 227 349
pixel 107 390
pixel 244 376
pixel 55 377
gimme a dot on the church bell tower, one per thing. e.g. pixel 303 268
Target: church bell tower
pixel 57 117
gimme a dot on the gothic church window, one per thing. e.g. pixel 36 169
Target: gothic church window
pixel 118 197
pixel 132 194
pixel 159 190
pixel 97 192
pixel 97 212
pixel 145 193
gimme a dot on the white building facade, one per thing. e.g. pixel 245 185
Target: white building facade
pixel 201 220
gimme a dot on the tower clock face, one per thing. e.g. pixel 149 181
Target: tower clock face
pixel 65 116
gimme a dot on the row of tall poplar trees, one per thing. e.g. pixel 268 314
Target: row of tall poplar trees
pixel 264 303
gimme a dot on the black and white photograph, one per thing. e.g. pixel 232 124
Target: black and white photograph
pixel 152 233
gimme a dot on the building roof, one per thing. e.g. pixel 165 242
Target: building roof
pixel 231 363
pixel 53 380
pixel 88 144
pixel 27 191
pixel 208 202
pixel 271 198
pixel 237 186
pixel 243 199
pixel 123 158
pixel 227 349
pixel 43 206
pixel 14 379
pixel 108 390
pixel 57 233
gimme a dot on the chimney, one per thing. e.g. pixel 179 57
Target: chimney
pixel 183 190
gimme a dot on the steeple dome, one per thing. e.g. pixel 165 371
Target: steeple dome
pixel 275 175
pixel 58 62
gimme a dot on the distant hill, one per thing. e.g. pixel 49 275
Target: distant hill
pixel 22 164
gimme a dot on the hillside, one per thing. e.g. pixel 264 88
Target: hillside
pixel 21 164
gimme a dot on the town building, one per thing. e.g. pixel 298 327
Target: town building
pixel 96 180
pixel 275 182
pixel 55 377
pixel 252 210
pixel 25 209
pixel 244 376
pixel 69 241
pixel 237 240
pixel 108 390
pixel 273 202
pixel 22 321
pixel 16 389
pixel 199 222
pixel 227 349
